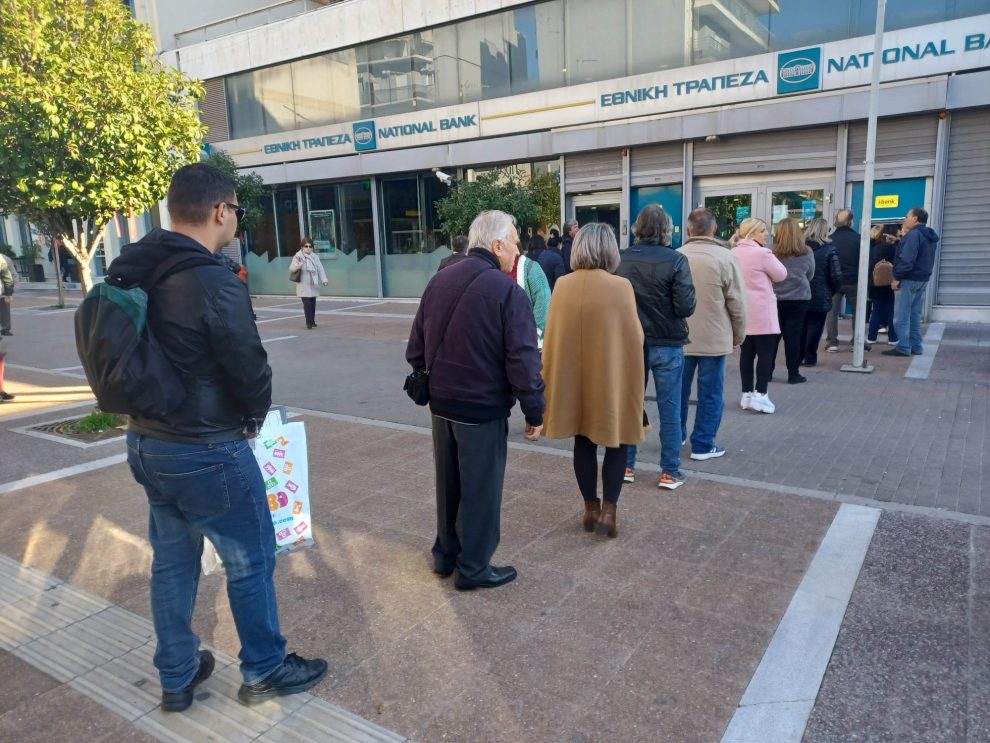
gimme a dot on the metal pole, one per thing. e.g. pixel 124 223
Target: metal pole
pixel 859 320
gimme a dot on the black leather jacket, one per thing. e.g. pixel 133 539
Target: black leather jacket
pixel 661 279
pixel 202 319
pixel 827 279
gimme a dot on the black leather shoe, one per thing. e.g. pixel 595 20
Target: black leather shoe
pixel 797 379
pixel 176 701
pixel 442 570
pixel 293 676
pixel 498 577
pixel 893 352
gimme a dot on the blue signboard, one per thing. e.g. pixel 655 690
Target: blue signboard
pixel 891 198
pixel 809 209
pixel 742 212
pixel 669 197
pixel 799 71
pixel 365 137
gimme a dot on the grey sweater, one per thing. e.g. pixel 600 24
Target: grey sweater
pixel 797 285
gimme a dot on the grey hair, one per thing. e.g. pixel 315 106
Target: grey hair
pixel 488 227
pixel 848 221
pixel 816 231
pixel 566 228
pixel 595 247
pixel 701 222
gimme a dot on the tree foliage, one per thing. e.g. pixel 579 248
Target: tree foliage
pixel 91 123
pixel 492 190
pixel 250 187
pixel 545 188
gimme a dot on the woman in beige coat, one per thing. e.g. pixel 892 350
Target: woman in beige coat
pixel 593 370
pixel 310 278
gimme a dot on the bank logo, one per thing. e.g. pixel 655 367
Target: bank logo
pixel 365 138
pixel 799 71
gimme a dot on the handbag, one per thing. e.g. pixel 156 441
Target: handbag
pixel 295 275
pixel 883 273
pixel 417 384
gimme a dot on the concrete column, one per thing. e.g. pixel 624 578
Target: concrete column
pixel 379 245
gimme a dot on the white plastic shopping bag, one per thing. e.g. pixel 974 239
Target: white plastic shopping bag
pixel 280 450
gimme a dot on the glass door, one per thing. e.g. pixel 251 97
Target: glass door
pixel 800 204
pixel 730 208
pixel 598 207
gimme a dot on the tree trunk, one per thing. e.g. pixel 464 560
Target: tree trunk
pixel 86 275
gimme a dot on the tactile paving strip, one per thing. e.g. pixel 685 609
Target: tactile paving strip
pixel 105 653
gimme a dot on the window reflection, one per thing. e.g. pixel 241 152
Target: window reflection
pixel 413 242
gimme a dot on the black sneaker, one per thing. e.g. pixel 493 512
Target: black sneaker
pixel 6 396
pixel 293 676
pixel 177 701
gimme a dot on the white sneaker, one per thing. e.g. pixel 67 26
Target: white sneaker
pixel 761 403
pixel 832 349
pixel 882 331
pixel 747 397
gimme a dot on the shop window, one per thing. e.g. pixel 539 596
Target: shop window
pixel 412 239
pixel 338 219
pixel 596 40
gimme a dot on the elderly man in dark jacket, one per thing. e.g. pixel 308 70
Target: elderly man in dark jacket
pixel 914 260
pixel 195 465
pixel 846 242
pixel 661 279
pixel 475 334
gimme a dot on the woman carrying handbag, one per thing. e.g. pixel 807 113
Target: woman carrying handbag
pixel 307 271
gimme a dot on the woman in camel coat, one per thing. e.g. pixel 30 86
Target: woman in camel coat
pixel 593 370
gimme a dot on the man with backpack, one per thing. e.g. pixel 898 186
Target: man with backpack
pixel 193 461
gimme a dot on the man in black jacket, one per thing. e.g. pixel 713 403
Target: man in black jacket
pixel 197 470
pixel 568 231
pixel 475 333
pixel 552 263
pixel 914 260
pixel 846 242
pixel 661 279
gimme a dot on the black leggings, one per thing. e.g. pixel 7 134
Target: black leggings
pixel 586 469
pixel 791 314
pixel 309 310
pixel 761 349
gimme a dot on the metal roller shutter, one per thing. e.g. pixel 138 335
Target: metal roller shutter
pixel 905 147
pixel 593 171
pixel 768 152
pixel 964 253
pixel 663 163
pixel 213 111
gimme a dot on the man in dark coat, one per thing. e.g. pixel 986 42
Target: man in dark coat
pixel 569 230
pixel 846 241
pixel 459 245
pixel 195 464
pixel 475 334
pixel 914 260
pixel 552 263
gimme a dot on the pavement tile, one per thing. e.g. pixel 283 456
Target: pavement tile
pixel 759 559
pixel 20 682
pixel 747 599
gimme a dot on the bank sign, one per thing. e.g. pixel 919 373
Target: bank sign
pixel 910 53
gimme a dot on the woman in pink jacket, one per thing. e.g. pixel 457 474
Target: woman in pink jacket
pixel 760 269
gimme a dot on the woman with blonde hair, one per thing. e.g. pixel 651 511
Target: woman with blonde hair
pixel 593 368
pixel 824 284
pixel 760 269
pixel 793 293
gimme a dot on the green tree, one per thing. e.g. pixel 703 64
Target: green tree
pixel 91 123
pixel 493 190
pixel 545 188
pixel 250 187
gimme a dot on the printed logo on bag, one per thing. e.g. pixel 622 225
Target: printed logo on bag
pixel 799 71
pixel 279 453
pixel 365 138
pixel 301 527
pixel 269 484
pixel 283 441
pixel 291 486
pixel 283 534
pixel 297 508
pixel 269 468
pixel 270 444
pixel 287 469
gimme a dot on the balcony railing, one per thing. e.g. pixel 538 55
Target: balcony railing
pixel 250 19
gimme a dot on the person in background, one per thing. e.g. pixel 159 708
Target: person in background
pixel 824 284
pixel 459 245
pixel 554 240
pixel 717 325
pixel 914 259
pixel 8 285
pixel 308 286
pixel 529 275
pixel 661 279
pixel 593 371
pixel 881 249
pixel 481 358
pixel 793 293
pixel 760 269
pixel 567 233
pixel 537 244
pixel 4 395
pixel 552 261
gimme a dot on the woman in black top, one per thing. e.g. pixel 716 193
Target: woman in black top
pixel 825 283
pixel 882 296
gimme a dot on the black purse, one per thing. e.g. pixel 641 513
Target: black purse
pixel 417 384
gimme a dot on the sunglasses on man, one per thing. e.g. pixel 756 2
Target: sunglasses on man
pixel 238 210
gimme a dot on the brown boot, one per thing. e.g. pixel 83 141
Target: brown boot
pixel 606 522
pixel 592 509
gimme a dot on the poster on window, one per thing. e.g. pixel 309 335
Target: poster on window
pixel 323 231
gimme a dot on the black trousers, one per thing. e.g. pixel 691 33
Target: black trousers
pixel 309 309
pixel 814 326
pixel 586 469
pixel 470 471
pixel 760 349
pixel 791 313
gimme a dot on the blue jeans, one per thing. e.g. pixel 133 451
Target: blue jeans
pixel 666 363
pixel 213 490
pixel 883 314
pixel 708 414
pixel 909 300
